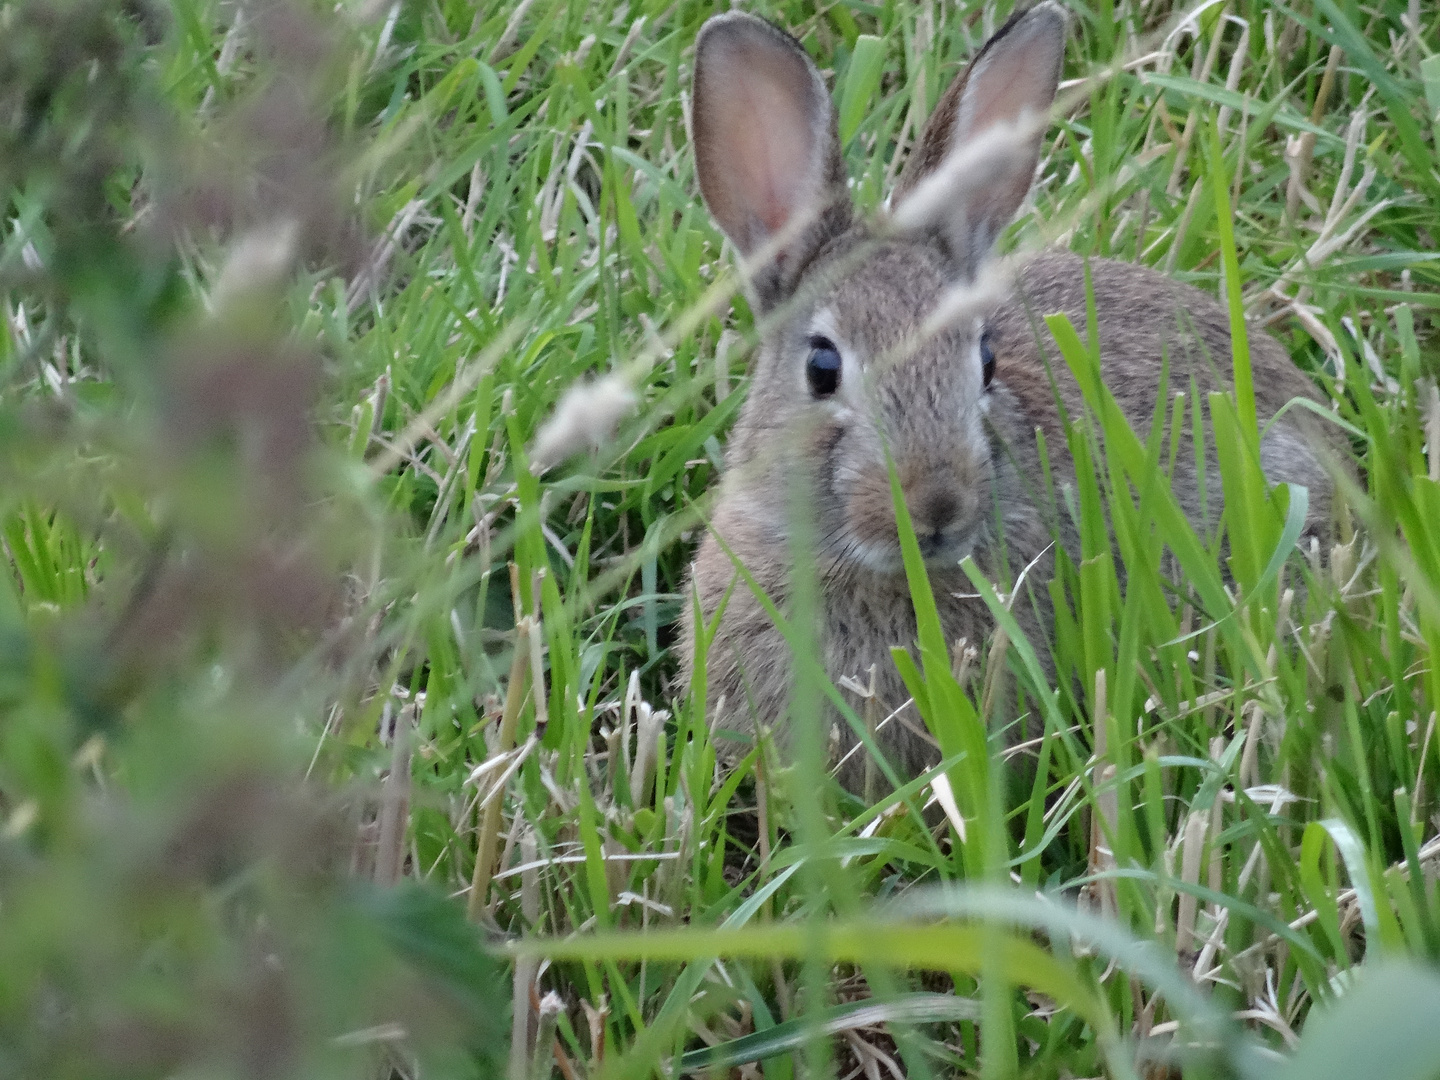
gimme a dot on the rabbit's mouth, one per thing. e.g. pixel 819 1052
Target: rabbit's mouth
pixel 946 548
pixel 941 551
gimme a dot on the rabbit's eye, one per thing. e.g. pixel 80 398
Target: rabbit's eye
pixel 822 369
pixel 987 358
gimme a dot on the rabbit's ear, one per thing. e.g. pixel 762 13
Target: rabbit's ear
pixel 766 148
pixel 976 158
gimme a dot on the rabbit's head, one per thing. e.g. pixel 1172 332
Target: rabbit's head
pixel 873 349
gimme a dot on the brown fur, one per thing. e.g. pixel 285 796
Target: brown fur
pixel 965 454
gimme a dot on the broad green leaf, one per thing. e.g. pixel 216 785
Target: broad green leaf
pixel 1387 1025
pixel 862 79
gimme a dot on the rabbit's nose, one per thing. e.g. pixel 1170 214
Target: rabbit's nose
pixel 933 510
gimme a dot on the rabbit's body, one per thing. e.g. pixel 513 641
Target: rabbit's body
pixel 854 365
pixel 1155 324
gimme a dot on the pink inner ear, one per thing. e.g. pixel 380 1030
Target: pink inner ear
pixel 767 132
pixel 1001 98
pixel 760 157
pixel 1016 75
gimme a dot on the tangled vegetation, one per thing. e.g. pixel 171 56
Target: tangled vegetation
pixel 363 377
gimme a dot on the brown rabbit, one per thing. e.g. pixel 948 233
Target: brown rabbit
pixel 854 363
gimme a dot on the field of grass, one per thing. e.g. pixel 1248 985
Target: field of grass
pixel 338 740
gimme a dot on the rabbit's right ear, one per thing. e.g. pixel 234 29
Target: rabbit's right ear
pixel 975 160
pixel 766 149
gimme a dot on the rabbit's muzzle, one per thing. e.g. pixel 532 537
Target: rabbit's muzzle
pixel 942 497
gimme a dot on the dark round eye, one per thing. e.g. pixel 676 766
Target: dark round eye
pixel 822 369
pixel 987 358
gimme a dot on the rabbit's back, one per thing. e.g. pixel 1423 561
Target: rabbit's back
pixel 1152 327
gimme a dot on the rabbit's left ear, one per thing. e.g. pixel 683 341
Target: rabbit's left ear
pixel 1006 91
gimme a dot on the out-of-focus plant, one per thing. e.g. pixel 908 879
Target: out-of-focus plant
pixel 175 896
pixel 276 523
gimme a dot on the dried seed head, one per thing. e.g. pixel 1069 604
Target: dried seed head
pixel 586 418
pixel 989 158
pixel 258 260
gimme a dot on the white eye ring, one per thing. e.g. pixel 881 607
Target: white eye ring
pixel 824 367
pixel 824 331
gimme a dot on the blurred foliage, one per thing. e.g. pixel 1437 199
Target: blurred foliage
pixel 175 897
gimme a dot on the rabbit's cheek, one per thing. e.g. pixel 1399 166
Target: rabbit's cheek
pixel 869 519
pixel 822 446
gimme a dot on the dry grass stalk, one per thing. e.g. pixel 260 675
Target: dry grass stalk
pixel 395 801
pixel 996 672
pixel 1304 146
pixel 1232 78
pixel 1105 817
pixel 1181 228
pixel 945 796
pixel 1205 67
pixel 649 746
pixel 506 41
pixel 1192 846
pixel 872 725
pixel 465 381
pixel 526 968
pixel 489 829
pixel 547 1050
pixel 595 1021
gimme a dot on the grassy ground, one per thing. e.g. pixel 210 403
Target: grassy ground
pixel 1241 794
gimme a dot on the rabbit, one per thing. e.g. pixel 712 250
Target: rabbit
pixel 852 365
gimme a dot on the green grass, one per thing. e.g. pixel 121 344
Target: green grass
pixel 1240 788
